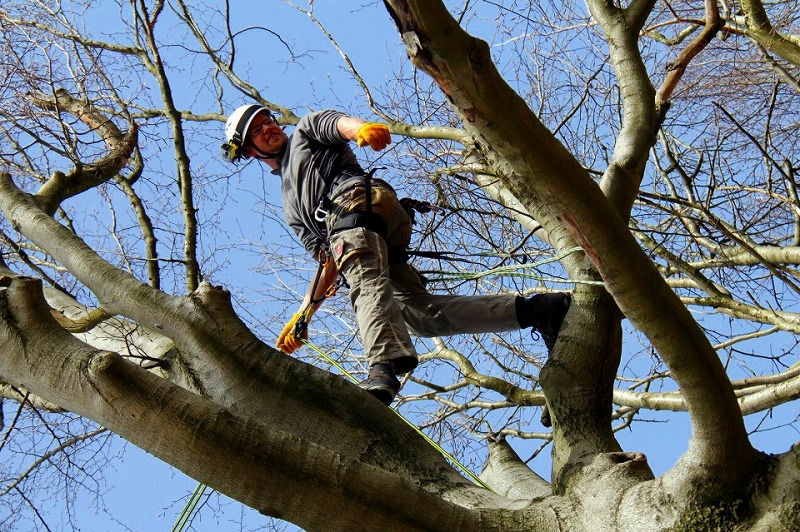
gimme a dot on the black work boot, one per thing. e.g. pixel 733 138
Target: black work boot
pixel 544 312
pixel 381 382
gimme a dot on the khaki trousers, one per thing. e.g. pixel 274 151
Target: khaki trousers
pixel 391 300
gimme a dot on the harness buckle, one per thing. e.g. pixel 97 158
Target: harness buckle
pixel 320 213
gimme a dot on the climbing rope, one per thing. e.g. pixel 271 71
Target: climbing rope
pixel 191 504
pixel 188 510
pixel 419 431
pixel 516 270
pixel 513 270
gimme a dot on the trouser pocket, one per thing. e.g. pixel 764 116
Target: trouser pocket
pixel 351 243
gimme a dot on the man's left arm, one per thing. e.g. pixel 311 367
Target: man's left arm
pixel 364 133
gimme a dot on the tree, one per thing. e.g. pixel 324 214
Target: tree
pixel 668 199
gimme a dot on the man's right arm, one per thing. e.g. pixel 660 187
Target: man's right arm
pixel 288 341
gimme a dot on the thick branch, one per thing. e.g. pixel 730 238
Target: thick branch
pixel 117 291
pixel 287 463
pixel 537 164
pixel 760 28
pixel 508 475
pixel 621 179
pixel 85 176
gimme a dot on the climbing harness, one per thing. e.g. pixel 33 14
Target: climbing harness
pixel 371 221
pixel 365 218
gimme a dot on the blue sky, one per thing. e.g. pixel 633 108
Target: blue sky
pixel 141 492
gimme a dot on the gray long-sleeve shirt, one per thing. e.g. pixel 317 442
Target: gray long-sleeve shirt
pixel 314 154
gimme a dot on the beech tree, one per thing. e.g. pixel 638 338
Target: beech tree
pixel 641 153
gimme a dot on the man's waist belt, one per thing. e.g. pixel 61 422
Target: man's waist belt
pixel 368 220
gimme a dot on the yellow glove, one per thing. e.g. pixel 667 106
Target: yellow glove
pixel 376 135
pixel 287 341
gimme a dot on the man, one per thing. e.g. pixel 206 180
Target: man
pixel 332 204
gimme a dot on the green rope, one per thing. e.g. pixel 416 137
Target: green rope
pixel 514 270
pixel 188 510
pixel 517 270
pixel 427 438
pixel 191 504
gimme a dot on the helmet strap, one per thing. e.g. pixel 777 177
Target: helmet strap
pixel 261 154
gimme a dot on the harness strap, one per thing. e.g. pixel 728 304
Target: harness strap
pixel 401 254
pixel 334 180
pixel 366 218
pixel 398 255
pixel 375 223
pixel 368 189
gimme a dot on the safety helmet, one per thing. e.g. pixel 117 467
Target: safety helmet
pixel 236 130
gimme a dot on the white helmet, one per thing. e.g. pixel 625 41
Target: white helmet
pixel 236 130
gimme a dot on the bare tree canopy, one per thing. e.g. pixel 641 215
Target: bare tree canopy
pixel 641 154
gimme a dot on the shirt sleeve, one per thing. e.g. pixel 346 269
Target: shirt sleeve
pixel 322 127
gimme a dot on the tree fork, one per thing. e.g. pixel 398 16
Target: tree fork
pixel 530 161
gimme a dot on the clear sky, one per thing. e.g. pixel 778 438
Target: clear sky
pixel 143 494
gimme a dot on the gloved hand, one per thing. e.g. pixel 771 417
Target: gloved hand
pixel 287 341
pixel 376 135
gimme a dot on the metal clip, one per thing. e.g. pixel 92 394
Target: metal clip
pixel 320 213
pixel 300 327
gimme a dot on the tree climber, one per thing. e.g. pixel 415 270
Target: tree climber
pixel 355 225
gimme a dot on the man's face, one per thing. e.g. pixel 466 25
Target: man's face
pixel 266 135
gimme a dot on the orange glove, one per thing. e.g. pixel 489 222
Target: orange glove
pixel 287 341
pixel 376 135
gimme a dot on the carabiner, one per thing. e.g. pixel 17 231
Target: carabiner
pixel 320 213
